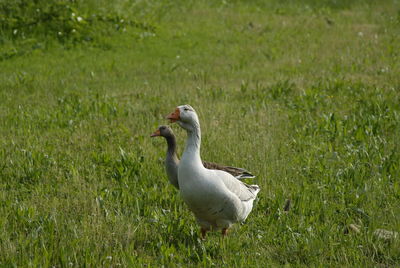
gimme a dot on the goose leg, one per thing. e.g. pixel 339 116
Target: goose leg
pixel 224 232
pixel 203 233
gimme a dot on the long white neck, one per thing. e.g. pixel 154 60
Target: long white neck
pixel 192 149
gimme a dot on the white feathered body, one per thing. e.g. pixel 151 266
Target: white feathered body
pixel 216 197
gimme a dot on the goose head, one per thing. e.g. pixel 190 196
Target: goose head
pixel 185 116
pixel 163 131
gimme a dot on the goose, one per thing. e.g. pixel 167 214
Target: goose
pixel 172 161
pixel 216 198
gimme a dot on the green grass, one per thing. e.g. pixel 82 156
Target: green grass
pixel 306 96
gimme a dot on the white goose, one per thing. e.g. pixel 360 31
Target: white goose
pixel 216 198
pixel 172 161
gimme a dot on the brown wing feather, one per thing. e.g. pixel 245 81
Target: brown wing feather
pixel 239 173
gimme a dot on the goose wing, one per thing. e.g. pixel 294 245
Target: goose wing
pixel 243 191
pixel 238 173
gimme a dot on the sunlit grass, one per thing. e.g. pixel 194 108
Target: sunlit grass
pixel 305 97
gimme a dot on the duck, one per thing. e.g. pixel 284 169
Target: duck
pixel 172 160
pixel 215 197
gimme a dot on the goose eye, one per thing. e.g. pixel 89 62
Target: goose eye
pixel 186 109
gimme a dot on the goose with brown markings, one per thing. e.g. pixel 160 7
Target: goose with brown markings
pixel 216 198
pixel 172 160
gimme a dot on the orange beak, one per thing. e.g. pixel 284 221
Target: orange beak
pixel 156 133
pixel 175 116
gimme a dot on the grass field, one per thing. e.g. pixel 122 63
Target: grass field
pixel 304 95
